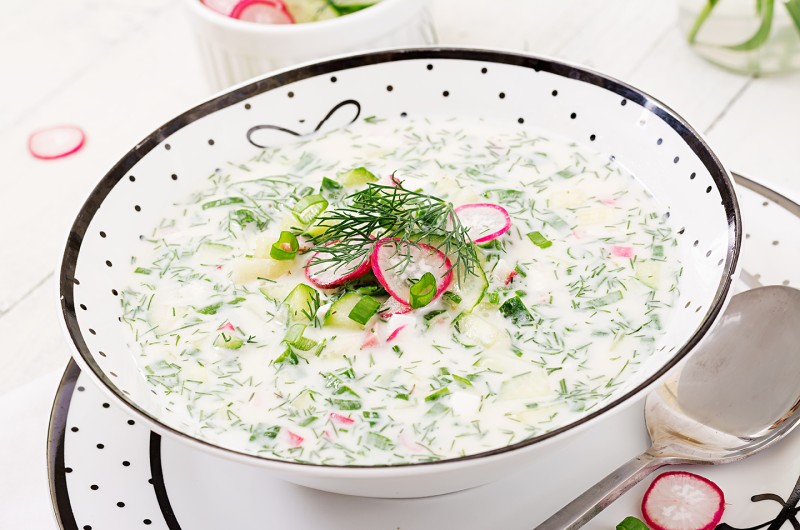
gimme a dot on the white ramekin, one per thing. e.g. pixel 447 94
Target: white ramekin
pixel 233 50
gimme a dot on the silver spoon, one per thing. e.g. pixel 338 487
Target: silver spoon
pixel 736 395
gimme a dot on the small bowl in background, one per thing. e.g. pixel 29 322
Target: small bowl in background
pixel 234 50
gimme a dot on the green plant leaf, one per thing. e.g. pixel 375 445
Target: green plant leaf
pixel 762 33
pixel 700 20
pixel 631 523
pixel 793 7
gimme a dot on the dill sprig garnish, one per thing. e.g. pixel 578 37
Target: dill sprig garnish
pixel 380 211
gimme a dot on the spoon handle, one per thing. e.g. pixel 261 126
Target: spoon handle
pixel 598 497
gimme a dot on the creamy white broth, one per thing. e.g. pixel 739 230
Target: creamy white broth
pixel 208 330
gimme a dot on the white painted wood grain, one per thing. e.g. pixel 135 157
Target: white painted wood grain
pixel 150 78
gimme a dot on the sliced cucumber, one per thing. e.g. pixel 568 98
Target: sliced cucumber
pixel 310 10
pixel 356 177
pixel 302 303
pixel 338 314
pixel 471 289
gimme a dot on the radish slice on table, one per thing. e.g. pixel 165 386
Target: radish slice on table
pixel 396 276
pixel 56 142
pixel 327 275
pixel 678 500
pixel 262 12
pixel 484 221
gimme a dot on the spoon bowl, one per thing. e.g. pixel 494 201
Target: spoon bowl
pixel 736 395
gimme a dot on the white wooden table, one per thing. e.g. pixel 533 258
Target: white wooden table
pixel 120 68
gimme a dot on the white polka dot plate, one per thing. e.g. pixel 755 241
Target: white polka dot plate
pixel 514 92
pixel 108 471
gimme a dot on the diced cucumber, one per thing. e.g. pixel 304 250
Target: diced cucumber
pixel 247 269
pixel 276 291
pixel 302 303
pixel 338 314
pixel 208 252
pixel 532 385
pixel 649 273
pixel 310 10
pixel 225 340
pixel 476 330
pixel 356 177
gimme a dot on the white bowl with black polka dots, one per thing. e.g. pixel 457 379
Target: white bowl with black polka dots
pixel 657 145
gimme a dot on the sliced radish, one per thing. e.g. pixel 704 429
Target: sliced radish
pixel 327 276
pixel 510 277
pixel 393 334
pixel 678 500
pixel 341 419
pixel 395 275
pixel 484 221
pixel 222 7
pixel 56 142
pixel 295 440
pixel 262 12
pixel 622 251
pixel 227 327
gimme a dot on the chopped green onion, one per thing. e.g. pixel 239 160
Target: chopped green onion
pixel 371 417
pixel 141 270
pixel 567 173
pixel 364 309
pixel 658 251
pixel 294 338
pixel 442 392
pixel 452 298
pixel 222 202
pixel 330 184
pixel 288 356
pixel 515 309
pixel 307 421
pixel 380 441
pixel 431 315
pixel 423 291
pixel 463 381
pixel 346 404
pixel 285 248
pixel 309 207
pixel 210 309
pixel 404 397
pixel 539 240
pixel 437 409
pixel 610 298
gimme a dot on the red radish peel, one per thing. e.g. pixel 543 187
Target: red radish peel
pixel 484 221
pixel 394 275
pixel 327 275
pixel 262 11
pixel 56 142
pixel 678 500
